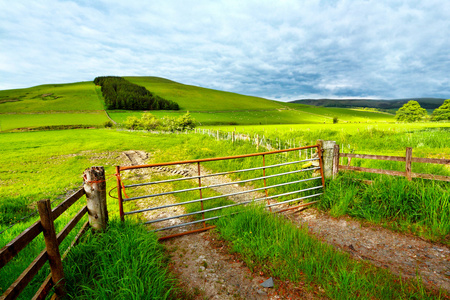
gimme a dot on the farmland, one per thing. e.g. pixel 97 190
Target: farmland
pixel 49 164
pixel 81 104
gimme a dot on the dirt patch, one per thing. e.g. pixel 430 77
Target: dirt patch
pixel 208 271
pixel 402 254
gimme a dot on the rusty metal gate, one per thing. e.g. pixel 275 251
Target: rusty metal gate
pixel 296 175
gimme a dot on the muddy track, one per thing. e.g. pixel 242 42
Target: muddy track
pixel 209 272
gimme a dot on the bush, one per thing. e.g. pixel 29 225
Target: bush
pixel 150 122
pixel 133 123
pixel 108 124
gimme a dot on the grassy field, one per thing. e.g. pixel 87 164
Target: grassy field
pixel 299 115
pixel 14 121
pixel 80 96
pixel 77 104
pixel 427 139
pixel 81 104
pixel 34 166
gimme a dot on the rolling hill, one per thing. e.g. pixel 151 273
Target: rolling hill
pixel 81 104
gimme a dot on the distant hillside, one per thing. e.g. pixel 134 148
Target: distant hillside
pixel 194 98
pixel 81 104
pixel 427 103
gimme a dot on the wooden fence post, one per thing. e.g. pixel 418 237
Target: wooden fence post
pixel 408 158
pixel 95 188
pixel 51 243
pixel 335 160
pixel 327 156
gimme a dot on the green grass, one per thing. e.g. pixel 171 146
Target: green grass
pixel 278 248
pixel 301 115
pixel 72 104
pixel 13 121
pixel 126 262
pixel 34 107
pixel 427 139
pixel 37 165
pixel 195 98
pixel 51 97
pixel 421 206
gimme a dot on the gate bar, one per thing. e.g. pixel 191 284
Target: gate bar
pixel 226 195
pixel 218 185
pixel 218 174
pixel 217 217
pixel 215 158
pixel 225 206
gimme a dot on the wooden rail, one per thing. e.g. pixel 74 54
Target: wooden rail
pixel 408 159
pixel 51 253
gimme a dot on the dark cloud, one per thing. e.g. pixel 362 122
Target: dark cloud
pixel 281 50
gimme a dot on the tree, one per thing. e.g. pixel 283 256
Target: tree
pixel 442 112
pixel 410 112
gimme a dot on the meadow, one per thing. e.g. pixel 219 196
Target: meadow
pixel 80 96
pixel 299 115
pixel 58 105
pixel 31 121
pixel 35 166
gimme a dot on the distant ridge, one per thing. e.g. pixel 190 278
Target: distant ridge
pixel 427 103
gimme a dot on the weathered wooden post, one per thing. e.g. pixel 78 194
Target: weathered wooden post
pixel 95 188
pixel 335 160
pixel 327 156
pixel 408 159
pixel 52 247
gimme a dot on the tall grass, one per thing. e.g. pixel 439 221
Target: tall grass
pixel 278 248
pixel 126 262
pixel 419 206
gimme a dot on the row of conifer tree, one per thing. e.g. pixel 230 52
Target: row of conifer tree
pixel 119 93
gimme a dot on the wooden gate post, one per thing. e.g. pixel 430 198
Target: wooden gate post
pixel 95 188
pixel 327 156
pixel 52 247
pixel 335 160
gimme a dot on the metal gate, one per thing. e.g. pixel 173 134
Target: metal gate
pixel 296 175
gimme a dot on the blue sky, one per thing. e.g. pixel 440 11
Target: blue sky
pixel 278 49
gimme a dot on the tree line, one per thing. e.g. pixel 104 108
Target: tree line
pixel 119 93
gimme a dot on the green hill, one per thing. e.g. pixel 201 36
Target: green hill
pixel 81 104
pixel 195 98
pixel 52 105
pixel 80 96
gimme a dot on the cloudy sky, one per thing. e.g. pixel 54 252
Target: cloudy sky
pixel 278 49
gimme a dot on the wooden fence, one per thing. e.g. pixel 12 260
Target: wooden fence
pixel 408 159
pixel 93 186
